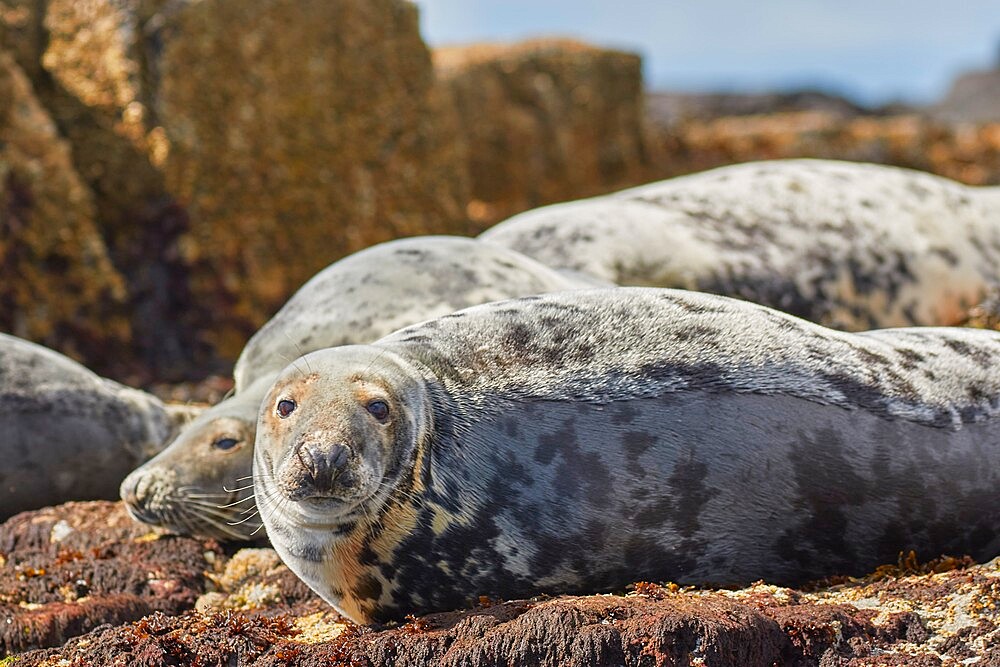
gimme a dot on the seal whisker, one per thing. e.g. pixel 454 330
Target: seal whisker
pixel 243 520
pixel 237 490
pixel 237 502
pixel 208 496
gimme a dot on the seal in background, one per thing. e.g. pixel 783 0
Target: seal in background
pixel 848 245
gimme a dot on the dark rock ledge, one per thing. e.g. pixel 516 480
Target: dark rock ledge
pixel 100 590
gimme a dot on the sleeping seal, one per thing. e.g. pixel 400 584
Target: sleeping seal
pixel 67 433
pixel 579 441
pixel 194 486
pixel 850 246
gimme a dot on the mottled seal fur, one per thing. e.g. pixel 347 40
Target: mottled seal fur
pixel 848 245
pixel 580 441
pixel 67 433
pixel 355 300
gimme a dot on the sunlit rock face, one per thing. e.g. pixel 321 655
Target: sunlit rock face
pixel 233 149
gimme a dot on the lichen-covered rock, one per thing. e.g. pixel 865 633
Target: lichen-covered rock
pixel 57 285
pixel 546 121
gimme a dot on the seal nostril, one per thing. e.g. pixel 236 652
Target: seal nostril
pixel 338 458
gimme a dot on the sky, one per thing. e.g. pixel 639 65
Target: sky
pixel 875 51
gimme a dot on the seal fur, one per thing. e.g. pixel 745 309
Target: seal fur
pixel 579 441
pixel 851 246
pixel 198 484
pixel 67 433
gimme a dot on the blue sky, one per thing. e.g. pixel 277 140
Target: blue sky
pixel 874 50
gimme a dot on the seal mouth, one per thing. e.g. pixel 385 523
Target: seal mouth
pixel 192 511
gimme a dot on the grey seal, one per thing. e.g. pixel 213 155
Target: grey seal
pixel 67 433
pixel 852 246
pixel 198 484
pixel 579 441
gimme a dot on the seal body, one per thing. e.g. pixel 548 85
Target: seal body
pixel 66 433
pixel 355 300
pixel 580 441
pixel 852 246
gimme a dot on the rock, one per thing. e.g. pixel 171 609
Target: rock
pixel 967 153
pixel 667 108
pixel 69 569
pixel 941 613
pixel 316 133
pixel 974 97
pixel 546 121
pixel 57 285
pixel 227 170
pixel 257 579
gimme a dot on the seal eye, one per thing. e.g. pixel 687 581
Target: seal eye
pixel 286 407
pixel 225 443
pixel 379 410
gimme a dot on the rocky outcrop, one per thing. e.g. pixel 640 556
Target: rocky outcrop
pixel 70 568
pixel 966 153
pixel 233 148
pixel 974 97
pixel 57 285
pixel 546 121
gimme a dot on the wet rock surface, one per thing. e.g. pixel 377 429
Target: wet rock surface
pixel 204 606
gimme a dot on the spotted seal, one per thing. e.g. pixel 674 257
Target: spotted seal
pixel 852 246
pixel 193 485
pixel 67 433
pixel 579 441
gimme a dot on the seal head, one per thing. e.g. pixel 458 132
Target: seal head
pixel 197 485
pixel 341 458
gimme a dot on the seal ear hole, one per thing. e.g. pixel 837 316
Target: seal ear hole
pixel 285 407
pixel 225 444
pixel 379 410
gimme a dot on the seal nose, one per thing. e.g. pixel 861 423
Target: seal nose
pixel 134 488
pixel 136 492
pixel 324 464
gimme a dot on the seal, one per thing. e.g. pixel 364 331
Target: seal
pixel 69 434
pixel 579 441
pixel 194 486
pixel 848 245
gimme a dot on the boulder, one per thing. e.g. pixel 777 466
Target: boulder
pixel 546 121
